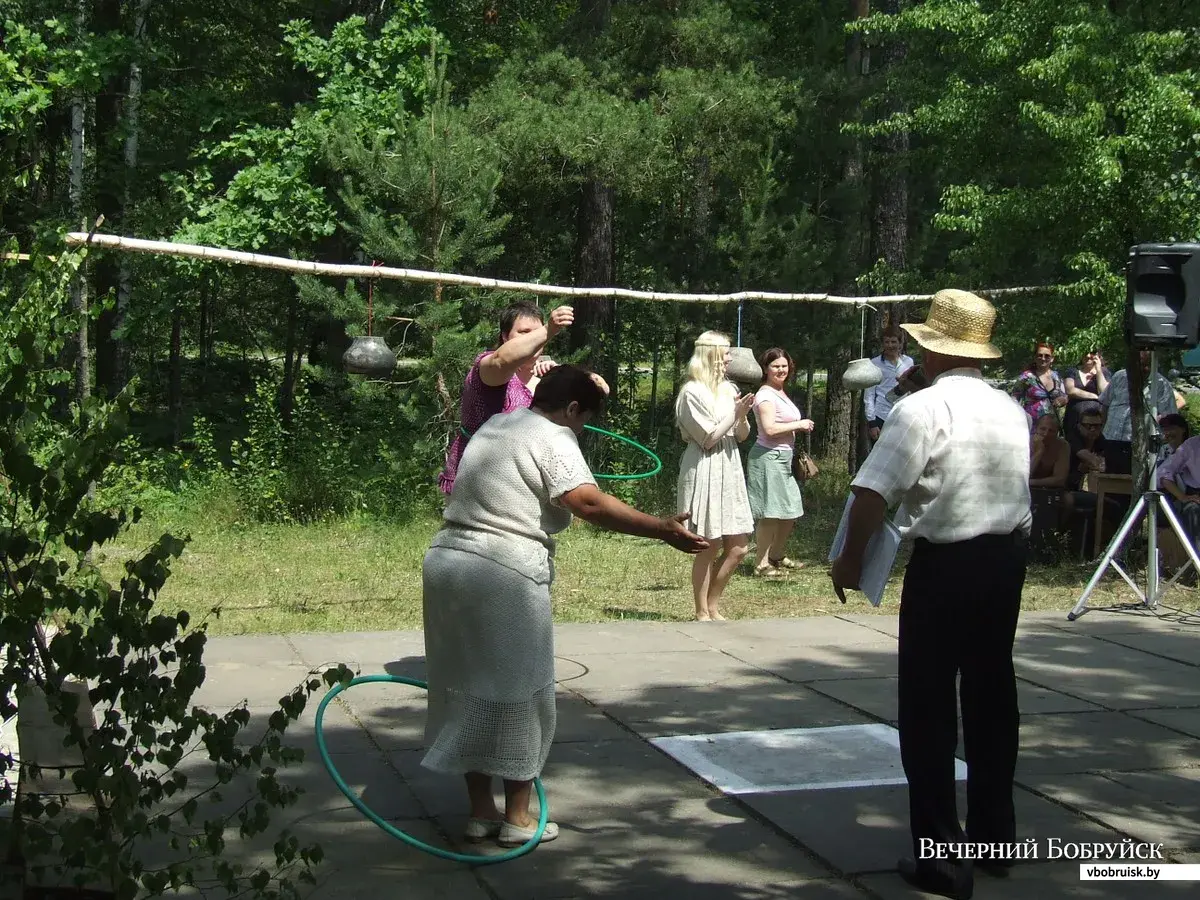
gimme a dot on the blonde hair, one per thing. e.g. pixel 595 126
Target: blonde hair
pixel 707 364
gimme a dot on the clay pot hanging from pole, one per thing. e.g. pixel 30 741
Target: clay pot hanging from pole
pixel 861 374
pixel 369 354
pixel 743 368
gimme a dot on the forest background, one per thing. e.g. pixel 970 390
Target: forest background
pixel 682 145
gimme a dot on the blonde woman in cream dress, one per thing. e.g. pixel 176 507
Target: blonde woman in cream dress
pixel 711 489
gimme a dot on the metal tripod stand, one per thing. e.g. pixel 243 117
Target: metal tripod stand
pixel 1149 503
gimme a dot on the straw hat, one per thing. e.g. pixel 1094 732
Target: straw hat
pixel 959 324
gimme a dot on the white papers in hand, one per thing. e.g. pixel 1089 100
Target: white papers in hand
pixel 878 558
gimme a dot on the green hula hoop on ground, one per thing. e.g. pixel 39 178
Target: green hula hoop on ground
pixel 388 826
pixel 625 440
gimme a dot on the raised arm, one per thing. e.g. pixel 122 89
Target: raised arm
pixel 698 422
pixel 522 349
pixel 1073 390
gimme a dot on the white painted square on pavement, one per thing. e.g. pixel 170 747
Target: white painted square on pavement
pixel 794 759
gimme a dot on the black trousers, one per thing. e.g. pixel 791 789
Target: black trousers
pixel 958 618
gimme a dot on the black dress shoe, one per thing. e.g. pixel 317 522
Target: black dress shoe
pixel 954 880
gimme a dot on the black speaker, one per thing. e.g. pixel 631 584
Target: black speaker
pixel 1162 299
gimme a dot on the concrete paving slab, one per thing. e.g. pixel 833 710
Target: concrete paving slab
pixel 1135 621
pixel 658 711
pixel 392 715
pixel 819 662
pixel 355 884
pixel 1045 881
pixel 1111 676
pixel 251 649
pixel 877 696
pixel 342 734
pixel 368 651
pixel 882 624
pixel 1089 742
pixel 568 670
pixel 1179 646
pixel 866 829
pixel 228 684
pixel 580 721
pixel 1185 720
pixel 636 823
pixel 371 777
pixel 802 631
pixel 1158 807
pixel 628 671
pixel 579 779
pixel 693 848
pixel 352 844
pixel 571 638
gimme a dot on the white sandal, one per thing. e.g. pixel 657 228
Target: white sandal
pixel 479 830
pixel 512 836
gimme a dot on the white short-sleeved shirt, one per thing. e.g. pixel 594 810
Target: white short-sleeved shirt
pixel 505 504
pixel 956 455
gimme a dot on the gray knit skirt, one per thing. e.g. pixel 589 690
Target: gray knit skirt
pixel 489 653
pixel 774 493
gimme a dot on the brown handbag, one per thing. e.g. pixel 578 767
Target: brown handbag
pixel 803 467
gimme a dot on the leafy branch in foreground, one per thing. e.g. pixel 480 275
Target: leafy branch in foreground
pixel 122 780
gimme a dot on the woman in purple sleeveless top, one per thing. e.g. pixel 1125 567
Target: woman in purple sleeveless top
pixel 503 379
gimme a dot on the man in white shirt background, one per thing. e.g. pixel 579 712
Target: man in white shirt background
pixel 956 457
pixel 892 363
pixel 1118 421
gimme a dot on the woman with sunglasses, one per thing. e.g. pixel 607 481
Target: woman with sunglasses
pixel 1039 389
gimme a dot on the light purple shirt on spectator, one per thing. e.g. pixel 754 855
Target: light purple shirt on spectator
pixel 1183 465
pixel 785 412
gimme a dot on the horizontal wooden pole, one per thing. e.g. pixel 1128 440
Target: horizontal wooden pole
pixel 341 270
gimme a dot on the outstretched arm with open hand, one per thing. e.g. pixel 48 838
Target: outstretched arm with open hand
pixel 594 506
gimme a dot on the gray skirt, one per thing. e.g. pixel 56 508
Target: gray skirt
pixel 774 493
pixel 489 654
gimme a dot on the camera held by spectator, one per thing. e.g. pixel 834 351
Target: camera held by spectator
pixel 910 382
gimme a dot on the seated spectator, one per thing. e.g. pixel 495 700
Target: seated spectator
pixel 1049 454
pixel 1175 430
pixel 1049 460
pixel 1087 445
pixel 1179 478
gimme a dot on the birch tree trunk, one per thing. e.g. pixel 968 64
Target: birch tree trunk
pixel 133 108
pixel 79 287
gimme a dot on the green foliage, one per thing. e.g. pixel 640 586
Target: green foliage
pixel 117 677
pixel 1064 133
pixel 277 196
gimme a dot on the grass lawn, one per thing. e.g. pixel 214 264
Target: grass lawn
pixel 362 576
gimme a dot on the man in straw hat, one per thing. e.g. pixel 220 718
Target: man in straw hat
pixel 956 456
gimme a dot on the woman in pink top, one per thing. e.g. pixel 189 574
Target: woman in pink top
pixel 775 497
pixel 503 379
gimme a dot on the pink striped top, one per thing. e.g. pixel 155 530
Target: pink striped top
pixel 480 402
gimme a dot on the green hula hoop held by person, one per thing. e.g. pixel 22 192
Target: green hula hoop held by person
pixel 486 598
